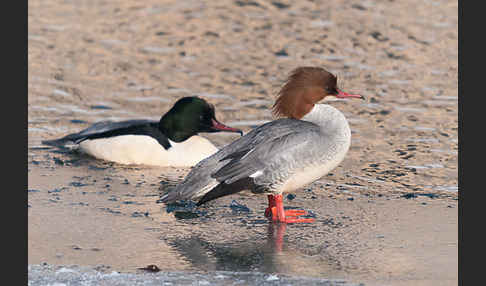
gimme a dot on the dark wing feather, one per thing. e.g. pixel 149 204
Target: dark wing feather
pixel 105 129
pixel 224 189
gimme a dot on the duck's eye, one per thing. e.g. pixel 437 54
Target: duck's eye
pixel 330 90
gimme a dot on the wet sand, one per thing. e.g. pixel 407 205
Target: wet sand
pixel 386 216
pixel 107 216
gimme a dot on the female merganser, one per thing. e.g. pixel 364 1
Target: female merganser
pixel 279 156
pixel 172 141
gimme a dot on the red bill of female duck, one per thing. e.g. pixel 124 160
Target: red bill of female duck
pixel 279 156
pixel 172 141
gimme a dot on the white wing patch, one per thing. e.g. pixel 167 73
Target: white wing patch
pixel 256 174
pixel 247 154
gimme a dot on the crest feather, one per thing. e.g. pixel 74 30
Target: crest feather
pixel 302 79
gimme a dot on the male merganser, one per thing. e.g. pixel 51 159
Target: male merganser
pixel 172 141
pixel 279 156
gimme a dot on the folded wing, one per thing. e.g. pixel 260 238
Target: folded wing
pixel 264 156
pixel 105 129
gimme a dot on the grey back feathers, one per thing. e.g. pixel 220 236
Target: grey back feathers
pixel 285 141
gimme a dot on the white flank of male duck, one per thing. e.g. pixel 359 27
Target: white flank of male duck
pixel 172 141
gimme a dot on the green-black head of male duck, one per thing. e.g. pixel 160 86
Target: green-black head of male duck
pixel 172 141
pixel 190 116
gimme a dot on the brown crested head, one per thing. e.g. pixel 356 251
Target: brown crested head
pixel 304 87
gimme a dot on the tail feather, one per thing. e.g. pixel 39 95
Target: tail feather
pixel 59 143
pixel 71 139
pixel 198 182
pixel 186 191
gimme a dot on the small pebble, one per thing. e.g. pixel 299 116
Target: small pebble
pixel 290 197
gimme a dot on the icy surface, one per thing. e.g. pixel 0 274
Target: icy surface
pixel 46 274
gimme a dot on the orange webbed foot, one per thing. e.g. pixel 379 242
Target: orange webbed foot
pixel 276 213
pixel 290 216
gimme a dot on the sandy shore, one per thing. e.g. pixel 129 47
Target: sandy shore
pixel 386 216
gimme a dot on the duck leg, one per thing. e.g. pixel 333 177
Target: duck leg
pixel 276 212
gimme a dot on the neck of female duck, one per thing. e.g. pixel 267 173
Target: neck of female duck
pixel 331 121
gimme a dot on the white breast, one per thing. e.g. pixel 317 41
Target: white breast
pixel 311 173
pixel 139 149
pixel 328 155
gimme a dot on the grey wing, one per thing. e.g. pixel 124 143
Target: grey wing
pixel 273 160
pixel 258 150
pixel 97 128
